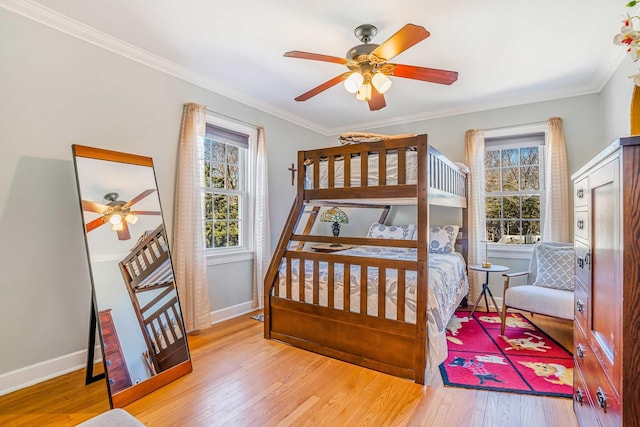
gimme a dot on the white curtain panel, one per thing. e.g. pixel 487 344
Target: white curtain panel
pixel 189 259
pixel 474 149
pixel 555 227
pixel 262 227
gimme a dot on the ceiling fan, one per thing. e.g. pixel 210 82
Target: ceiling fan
pixel 368 66
pixel 116 212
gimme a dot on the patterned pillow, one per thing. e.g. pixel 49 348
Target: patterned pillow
pixel 556 266
pixel 401 232
pixel 442 239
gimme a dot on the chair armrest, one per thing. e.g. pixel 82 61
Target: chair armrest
pixel 508 276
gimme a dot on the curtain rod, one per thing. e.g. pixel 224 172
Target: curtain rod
pixel 520 125
pixel 224 116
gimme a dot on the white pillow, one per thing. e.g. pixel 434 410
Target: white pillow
pixel 556 267
pixel 400 232
pixel 442 239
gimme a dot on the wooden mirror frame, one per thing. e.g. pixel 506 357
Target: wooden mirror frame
pixel 176 366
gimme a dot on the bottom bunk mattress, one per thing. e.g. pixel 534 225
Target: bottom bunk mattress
pixel 448 285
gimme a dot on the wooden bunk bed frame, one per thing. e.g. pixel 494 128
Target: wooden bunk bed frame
pixel 159 324
pixel 396 347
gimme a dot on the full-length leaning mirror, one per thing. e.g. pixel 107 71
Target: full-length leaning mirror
pixel 135 299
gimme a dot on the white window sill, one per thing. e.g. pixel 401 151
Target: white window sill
pixel 216 258
pixel 498 250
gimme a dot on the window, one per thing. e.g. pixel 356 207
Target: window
pixel 514 189
pixel 228 156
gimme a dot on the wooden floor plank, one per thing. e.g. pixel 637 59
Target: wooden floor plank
pixel 241 379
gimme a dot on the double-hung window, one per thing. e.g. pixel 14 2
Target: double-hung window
pixel 228 199
pixel 514 189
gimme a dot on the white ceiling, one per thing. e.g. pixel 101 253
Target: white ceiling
pixel 506 52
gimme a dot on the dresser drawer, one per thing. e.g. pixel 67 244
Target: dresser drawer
pixel 605 402
pixel 582 404
pixel 581 225
pixel 581 306
pixel 583 263
pixel 581 192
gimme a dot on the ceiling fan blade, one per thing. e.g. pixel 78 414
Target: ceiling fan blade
pixel 324 86
pixel 93 207
pixel 377 101
pixel 402 40
pixel 124 233
pixel 316 57
pixel 92 225
pixel 145 212
pixel 422 73
pixel 140 196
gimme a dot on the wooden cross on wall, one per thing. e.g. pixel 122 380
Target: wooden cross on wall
pixel 293 171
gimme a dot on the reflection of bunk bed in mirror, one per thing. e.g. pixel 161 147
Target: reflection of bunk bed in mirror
pixel 390 311
pixel 148 275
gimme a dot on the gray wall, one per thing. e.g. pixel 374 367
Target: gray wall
pixel 57 91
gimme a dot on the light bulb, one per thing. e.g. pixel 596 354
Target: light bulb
pixel 353 82
pixel 364 93
pixel 118 227
pixel 381 82
pixel 115 219
pixel 131 218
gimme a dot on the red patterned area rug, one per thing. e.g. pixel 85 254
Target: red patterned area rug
pixel 524 360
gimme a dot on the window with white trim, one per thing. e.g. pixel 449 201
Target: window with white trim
pixel 514 189
pixel 228 159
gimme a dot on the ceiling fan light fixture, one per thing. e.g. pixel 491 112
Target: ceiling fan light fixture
pixel 115 219
pixel 353 82
pixel 364 93
pixel 131 218
pixel 118 227
pixel 381 82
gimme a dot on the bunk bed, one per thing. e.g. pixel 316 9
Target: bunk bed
pixel 147 270
pixel 390 312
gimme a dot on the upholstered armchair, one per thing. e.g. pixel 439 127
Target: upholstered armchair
pixel 549 283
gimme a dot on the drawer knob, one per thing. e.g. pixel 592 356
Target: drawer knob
pixel 580 193
pixel 580 224
pixel 602 400
pixel 580 306
pixel 111 381
pixel 580 351
pixel 579 396
pixel 580 262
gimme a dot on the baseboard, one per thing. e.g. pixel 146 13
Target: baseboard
pixel 231 312
pixel 43 371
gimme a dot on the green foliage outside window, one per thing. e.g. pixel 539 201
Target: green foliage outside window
pixel 512 186
pixel 223 194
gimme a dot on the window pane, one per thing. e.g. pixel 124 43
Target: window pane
pixel 530 178
pixel 207 174
pixel 233 207
pixel 217 175
pixel 233 175
pixel 531 207
pixel 512 228
pixel 529 156
pixel 208 234
pixel 494 230
pixel 208 206
pixel 492 159
pixel 511 206
pixel 233 154
pixel 217 151
pixel 220 207
pixel 531 228
pixel 233 233
pixel 494 208
pixel 220 234
pixel 510 179
pixel 492 180
pixel 510 157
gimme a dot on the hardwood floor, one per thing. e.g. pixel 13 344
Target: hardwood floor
pixel 241 379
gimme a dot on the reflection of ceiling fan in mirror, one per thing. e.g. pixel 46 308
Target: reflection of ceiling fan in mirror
pixel 368 66
pixel 116 212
